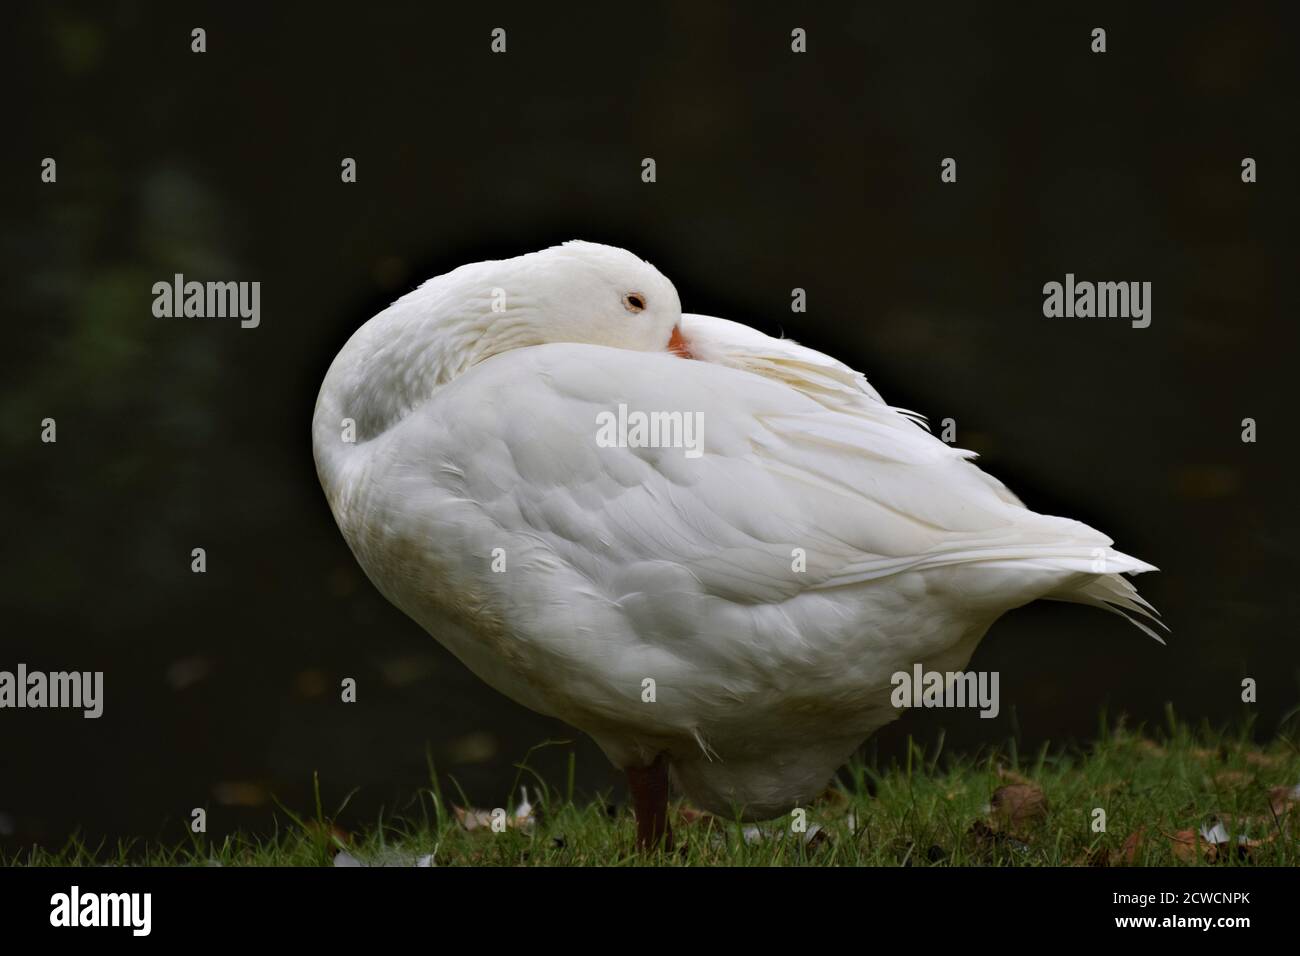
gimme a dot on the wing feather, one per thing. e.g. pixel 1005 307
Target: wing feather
pixel 852 482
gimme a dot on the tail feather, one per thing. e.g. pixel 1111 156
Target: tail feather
pixel 1115 593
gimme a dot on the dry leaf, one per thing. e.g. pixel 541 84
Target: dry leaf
pixel 1225 843
pixel 523 818
pixel 1131 851
pixel 832 797
pixel 1214 841
pixel 1188 845
pixel 1018 804
pixel 691 815
pixel 331 833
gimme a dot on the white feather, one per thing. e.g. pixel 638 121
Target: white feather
pixel 631 564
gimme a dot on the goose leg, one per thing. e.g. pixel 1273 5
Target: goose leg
pixel 649 788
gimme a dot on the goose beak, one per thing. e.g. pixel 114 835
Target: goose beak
pixel 677 344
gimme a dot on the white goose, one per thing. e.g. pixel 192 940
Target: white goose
pixel 568 574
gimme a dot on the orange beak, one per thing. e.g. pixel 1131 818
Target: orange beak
pixel 677 345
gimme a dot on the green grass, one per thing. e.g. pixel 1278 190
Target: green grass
pixel 926 810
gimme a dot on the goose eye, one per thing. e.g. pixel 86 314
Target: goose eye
pixel 634 302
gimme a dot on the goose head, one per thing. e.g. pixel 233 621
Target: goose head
pixel 587 293
pixel 578 292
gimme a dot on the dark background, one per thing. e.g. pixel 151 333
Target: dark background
pixel 775 170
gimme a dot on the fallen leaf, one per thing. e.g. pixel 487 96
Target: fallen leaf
pixel 1213 842
pixel 1131 851
pixel 1010 776
pixel 1188 845
pixel 524 817
pixel 693 815
pixel 1018 805
pixel 330 833
pixel 832 797
pixel 1225 843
